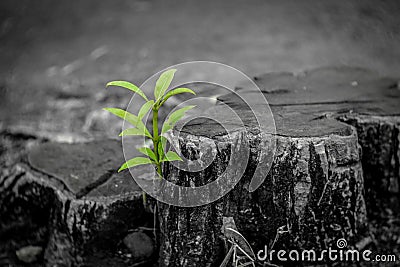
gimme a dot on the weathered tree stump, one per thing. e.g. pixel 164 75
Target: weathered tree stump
pixel 68 199
pixel 314 192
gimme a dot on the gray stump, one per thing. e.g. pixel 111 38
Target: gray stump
pixel 69 200
pixel 314 193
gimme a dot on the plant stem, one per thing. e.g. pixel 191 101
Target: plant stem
pixel 156 141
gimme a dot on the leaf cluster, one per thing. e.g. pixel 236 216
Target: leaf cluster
pixel 155 155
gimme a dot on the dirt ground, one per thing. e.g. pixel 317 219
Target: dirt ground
pixel 63 45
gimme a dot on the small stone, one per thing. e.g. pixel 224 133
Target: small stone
pixel 354 83
pixel 29 254
pixel 140 245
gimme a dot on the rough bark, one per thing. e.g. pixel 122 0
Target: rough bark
pixel 379 137
pixel 314 191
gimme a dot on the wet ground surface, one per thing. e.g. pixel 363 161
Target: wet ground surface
pixel 71 49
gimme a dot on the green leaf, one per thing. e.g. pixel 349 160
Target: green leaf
pixel 135 162
pixel 163 83
pixel 174 118
pixel 161 146
pixel 166 127
pixel 135 131
pixel 128 85
pixel 145 108
pixel 125 115
pixel 172 156
pixel 148 152
pixel 175 92
pixel 129 117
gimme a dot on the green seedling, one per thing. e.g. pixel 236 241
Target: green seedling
pixel 152 155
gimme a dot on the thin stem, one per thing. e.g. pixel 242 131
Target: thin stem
pixel 156 140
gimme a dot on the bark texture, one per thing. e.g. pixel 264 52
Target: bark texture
pixel 379 137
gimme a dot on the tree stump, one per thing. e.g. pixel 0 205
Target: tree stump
pixel 68 199
pixel 336 127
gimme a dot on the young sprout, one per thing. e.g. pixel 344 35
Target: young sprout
pixel 155 156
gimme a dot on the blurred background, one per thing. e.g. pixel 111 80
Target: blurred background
pixel 58 53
